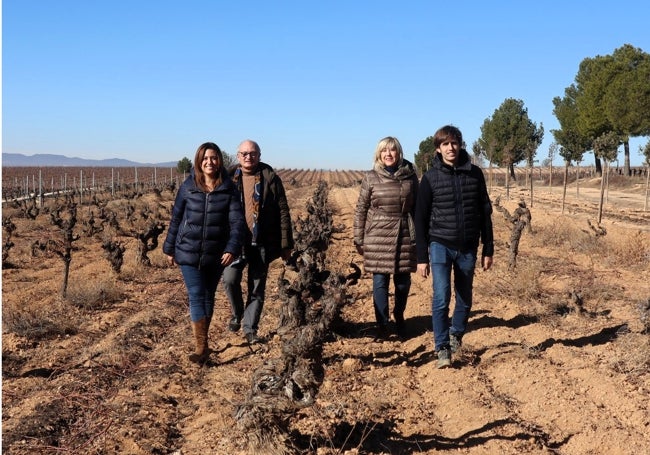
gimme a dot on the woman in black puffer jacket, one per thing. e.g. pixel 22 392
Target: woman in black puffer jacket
pixel 205 235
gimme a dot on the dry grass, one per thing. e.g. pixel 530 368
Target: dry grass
pixel 631 354
pixel 525 285
pixel 521 286
pixel 549 288
pixel 93 294
pixel 568 235
pixel 36 321
pixel 633 250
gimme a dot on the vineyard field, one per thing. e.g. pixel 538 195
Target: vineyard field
pixel 556 359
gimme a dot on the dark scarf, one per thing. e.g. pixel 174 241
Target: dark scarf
pixel 257 197
pixel 391 169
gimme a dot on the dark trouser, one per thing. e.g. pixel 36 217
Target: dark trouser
pixel 201 284
pixel 443 260
pixel 255 259
pixel 380 282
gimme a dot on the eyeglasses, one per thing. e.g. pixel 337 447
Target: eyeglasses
pixel 248 154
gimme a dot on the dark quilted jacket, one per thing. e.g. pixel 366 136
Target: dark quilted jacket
pixel 274 218
pixel 205 225
pixel 381 221
pixel 453 208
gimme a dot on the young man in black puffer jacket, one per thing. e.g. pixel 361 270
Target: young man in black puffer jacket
pixel 453 212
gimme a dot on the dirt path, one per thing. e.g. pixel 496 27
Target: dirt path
pixel 524 383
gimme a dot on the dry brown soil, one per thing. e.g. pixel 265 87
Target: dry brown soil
pixel 556 360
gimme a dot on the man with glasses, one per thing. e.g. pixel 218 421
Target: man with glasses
pixel 268 237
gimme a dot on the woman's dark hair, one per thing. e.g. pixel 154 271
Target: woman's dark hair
pixel 445 133
pixel 199 176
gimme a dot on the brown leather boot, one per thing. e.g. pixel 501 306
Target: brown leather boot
pixel 201 352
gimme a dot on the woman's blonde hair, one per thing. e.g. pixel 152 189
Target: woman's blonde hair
pixel 389 142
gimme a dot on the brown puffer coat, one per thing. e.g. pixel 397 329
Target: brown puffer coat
pixel 383 224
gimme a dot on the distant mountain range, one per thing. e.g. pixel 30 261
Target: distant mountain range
pixel 46 159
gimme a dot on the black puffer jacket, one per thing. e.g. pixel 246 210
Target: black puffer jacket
pixel 205 225
pixel 453 208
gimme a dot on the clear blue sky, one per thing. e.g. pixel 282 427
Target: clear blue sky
pixel 317 84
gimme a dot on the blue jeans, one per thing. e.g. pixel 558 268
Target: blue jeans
pixel 380 281
pixel 443 260
pixel 255 259
pixel 201 284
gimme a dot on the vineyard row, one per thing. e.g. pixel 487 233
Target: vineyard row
pixel 26 182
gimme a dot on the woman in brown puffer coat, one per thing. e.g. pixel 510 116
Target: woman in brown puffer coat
pixel 383 230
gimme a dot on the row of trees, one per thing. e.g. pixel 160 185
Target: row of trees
pixel 608 103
